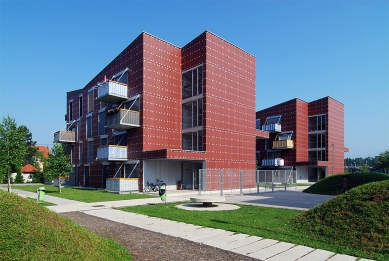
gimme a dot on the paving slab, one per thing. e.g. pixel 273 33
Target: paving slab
pixel 317 255
pixel 241 242
pixel 339 257
pixel 225 240
pixel 213 237
pixel 247 249
pixel 292 254
pixel 272 250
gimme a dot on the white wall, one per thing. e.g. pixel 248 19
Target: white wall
pixel 167 170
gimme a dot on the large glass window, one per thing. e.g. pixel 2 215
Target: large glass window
pixel 192 114
pixel 317 123
pixel 131 170
pixel 192 82
pixel 192 141
pixel 317 140
pixel 317 155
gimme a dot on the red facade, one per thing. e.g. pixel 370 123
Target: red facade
pixel 221 111
pixel 318 150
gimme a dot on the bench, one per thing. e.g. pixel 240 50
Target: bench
pixel 207 200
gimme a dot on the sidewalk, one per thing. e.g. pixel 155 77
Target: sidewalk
pixel 256 247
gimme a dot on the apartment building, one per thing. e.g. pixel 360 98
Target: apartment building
pixel 304 136
pixel 159 111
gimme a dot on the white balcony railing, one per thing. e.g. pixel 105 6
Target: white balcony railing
pixel 273 127
pixel 64 136
pixel 123 119
pixel 112 153
pixel 272 162
pixel 112 92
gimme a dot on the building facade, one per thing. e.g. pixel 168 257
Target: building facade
pixel 304 136
pixel 158 111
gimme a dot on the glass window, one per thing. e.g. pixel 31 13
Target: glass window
pixel 102 122
pixel 70 111
pixel 121 139
pixel 80 106
pixel 103 142
pixel 89 127
pixel 192 141
pixel 131 171
pixel 80 152
pixel 317 123
pixel 90 151
pixel 90 100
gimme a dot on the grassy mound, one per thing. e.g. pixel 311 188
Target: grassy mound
pixel 357 219
pixel 32 232
pixel 340 183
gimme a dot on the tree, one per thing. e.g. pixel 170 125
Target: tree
pixel 13 148
pixel 383 160
pixel 58 165
pixel 19 177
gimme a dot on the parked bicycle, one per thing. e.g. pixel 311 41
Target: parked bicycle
pixel 150 187
pixel 159 184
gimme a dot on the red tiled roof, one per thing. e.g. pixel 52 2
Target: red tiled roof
pixel 45 150
pixel 28 169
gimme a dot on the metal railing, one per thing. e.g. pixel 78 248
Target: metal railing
pixel 239 182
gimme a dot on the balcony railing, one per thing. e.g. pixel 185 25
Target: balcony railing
pixel 112 153
pixel 272 162
pixel 283 144
pixel 112 92
pixel 273 127
pixel 123 119
pixel 64 136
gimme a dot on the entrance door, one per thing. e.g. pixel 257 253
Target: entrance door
pixel 86 176
pixel 105 175
pixel 196 170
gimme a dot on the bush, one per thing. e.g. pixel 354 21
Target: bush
pixel 340 183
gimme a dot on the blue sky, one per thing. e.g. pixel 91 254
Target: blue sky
pixel 304 49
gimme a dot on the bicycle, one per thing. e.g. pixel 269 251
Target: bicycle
pixel 150 187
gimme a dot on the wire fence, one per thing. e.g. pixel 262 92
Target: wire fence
pixel 239 182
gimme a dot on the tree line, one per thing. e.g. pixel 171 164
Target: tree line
pixel 17 148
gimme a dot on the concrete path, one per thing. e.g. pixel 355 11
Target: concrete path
pixel 256 247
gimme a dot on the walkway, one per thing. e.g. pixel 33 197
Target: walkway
pixel 252 246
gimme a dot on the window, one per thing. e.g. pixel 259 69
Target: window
pixel 317 140
pixel 90 100
pixel 258 124
pixel 89 127
pixel 102 122
pixel 192 82
pixel 317 155
pixel 192 141
pixel 80 152
pixel 273 119
pixel 78 129
pixel 133 104
pixel 90 151
pixel 70 112
pixel 192 114
pixel 80 106
pixel 121 139
pixel 131 171
pixel 103 142
pixel 317 123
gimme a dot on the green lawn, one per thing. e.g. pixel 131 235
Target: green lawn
pixel 83 195
pixel 273 223
pixel 29 231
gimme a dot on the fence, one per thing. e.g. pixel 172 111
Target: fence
pixel 224 182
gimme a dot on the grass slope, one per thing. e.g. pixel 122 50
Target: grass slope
pixel 29 231
pixel 340 183
pixel 358 218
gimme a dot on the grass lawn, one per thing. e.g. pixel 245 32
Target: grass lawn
pixel 83 195
pixel 44 204
pixel 273 223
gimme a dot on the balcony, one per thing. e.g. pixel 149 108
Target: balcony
pixel 283 144
pixel 64 136
pixel 273 127
pixel 112 92
pixel 123 119
pixel 112 153
pixel 272 162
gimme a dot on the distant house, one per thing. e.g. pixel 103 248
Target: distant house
pixel 29 169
